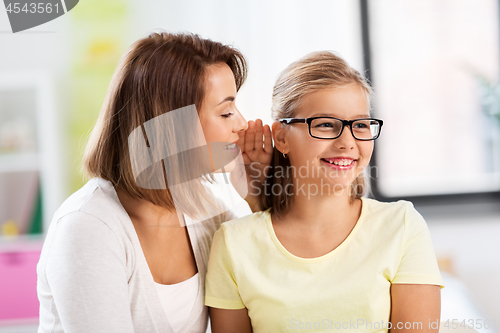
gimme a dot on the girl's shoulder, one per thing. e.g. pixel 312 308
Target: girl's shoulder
pixel 245 237
pixel 387 208
pixel 392 216
pixel 246 225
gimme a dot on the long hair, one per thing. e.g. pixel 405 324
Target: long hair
pixel 159 73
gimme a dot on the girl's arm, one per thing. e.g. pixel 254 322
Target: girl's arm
pixel 416 287
pixel 228 313
pixel 415 308
pixel 230 321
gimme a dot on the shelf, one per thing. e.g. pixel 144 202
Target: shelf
pixel 18 162
pixel 31 189
pixel 21 243
pixel 29 325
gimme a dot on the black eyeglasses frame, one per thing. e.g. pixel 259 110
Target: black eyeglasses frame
pixel 308 121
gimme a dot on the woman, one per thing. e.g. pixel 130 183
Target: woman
pixel 322 257
pixel 118 256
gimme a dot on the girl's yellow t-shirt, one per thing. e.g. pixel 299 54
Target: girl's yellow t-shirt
pixel 345 290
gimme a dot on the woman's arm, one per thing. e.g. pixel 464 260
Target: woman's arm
pixel 415 307
pixel 230 321
pixel 257 148
pixel 87 276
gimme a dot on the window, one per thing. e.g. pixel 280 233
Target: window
pixel 434 66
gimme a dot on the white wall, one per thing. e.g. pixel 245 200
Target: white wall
pixel 42 54
pixel 271 35
pixel 473 245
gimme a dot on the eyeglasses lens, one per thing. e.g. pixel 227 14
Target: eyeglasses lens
pixel 325 128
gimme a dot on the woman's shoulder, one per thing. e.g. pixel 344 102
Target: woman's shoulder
pixel 96 197
pixel 95 203
pixel 89 219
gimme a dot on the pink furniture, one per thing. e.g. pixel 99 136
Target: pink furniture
pixel 18 297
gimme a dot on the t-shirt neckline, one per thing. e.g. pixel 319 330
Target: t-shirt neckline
pixel 351 235
pixel 179 284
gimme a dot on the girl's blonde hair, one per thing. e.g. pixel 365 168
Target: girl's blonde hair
pixel 315 71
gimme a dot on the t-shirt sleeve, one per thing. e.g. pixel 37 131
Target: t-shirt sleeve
pixel 221 288
pixel 86 272
pixel 418 263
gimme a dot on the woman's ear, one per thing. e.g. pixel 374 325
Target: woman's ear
pixel 280 137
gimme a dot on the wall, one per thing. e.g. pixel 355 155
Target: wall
pixel 472 243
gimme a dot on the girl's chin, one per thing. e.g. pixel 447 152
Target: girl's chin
pixel 324 186
pixel 337 185
pixel 342 178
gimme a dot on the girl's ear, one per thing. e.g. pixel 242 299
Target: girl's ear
pixel 279 137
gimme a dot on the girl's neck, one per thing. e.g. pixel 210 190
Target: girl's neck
pixel 322 212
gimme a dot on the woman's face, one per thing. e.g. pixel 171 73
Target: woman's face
pixel 220 119
pixel 339 161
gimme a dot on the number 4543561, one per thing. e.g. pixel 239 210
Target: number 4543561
pixel 469 323
pixel 32 8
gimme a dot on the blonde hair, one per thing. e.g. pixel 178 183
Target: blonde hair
pixel 159 73
pixel 315 71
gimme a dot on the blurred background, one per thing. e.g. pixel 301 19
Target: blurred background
pixel 434 65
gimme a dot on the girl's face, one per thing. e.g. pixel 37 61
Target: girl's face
pixel 220 119
pixel 339 161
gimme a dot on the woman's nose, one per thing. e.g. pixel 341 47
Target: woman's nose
pixel 240 124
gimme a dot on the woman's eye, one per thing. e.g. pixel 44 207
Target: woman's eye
pixel 226 115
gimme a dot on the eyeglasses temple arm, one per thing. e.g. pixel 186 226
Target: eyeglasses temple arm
pixel 292 120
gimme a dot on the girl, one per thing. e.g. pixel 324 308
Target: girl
pixel 118 256
pixel 321 256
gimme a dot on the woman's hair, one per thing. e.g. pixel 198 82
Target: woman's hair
pixel 315 71
pixel 159 73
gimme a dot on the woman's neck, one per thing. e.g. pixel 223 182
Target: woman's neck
pixel 144 213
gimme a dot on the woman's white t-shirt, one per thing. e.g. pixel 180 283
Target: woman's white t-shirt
pixel 184 293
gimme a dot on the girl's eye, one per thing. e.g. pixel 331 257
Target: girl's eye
pixel 324 125
pixel 226 115
pixel 360 125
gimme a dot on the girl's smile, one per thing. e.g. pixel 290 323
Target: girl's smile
pixel 339 163
pixel 330 156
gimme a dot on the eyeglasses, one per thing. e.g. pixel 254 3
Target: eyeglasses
pixel 329 128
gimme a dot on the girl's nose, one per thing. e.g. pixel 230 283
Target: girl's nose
pixel 345 140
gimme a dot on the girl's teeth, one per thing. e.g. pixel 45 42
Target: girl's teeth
pixel 230 146
pixel 341 163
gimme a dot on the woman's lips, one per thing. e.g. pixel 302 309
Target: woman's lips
pixel 339 163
